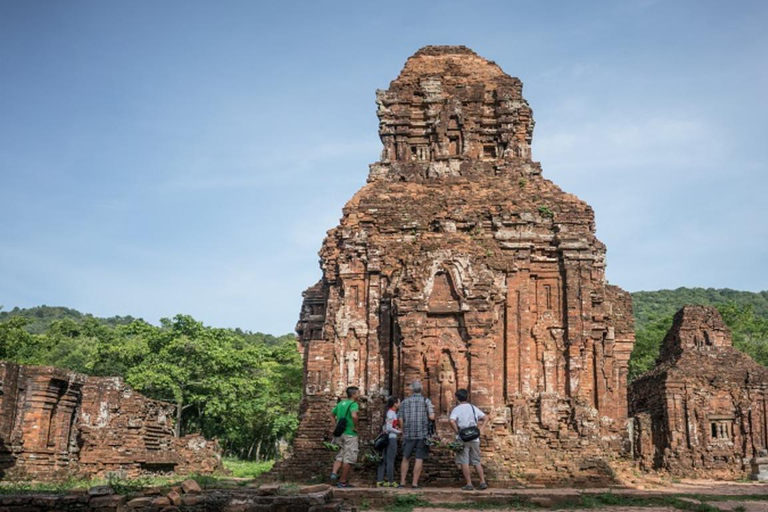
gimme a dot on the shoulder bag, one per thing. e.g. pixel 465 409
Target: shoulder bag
pixel 470 433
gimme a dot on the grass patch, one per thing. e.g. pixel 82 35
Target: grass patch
pixel 722 497
pixel 247 468
pixel 118 484
pixel 512 503
pixel 676 501
pixel 407 502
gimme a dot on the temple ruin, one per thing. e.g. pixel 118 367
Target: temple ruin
pixel 704 406
pixel 460 265
pixel 55 423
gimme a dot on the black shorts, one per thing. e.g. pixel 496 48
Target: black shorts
pixel 417 447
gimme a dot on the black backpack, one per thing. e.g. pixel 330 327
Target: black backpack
pixel 341 425
pixel 431 426
pixel 381 442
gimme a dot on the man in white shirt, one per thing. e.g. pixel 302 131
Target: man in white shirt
pixel 462 416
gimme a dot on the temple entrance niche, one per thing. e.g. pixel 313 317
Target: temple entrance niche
pixel 445 352
pixel 534 348
pixel 348 362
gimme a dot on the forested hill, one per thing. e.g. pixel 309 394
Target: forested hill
pixel 41 317
pixel 745 313
pixel 649 306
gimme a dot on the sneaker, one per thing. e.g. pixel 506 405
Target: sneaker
pixel 342 485
pixel 392 484
pixel 334 477
pixel 415 486
pixel 400 486
pixel 483 486
pixel 382 484
pixel 468 487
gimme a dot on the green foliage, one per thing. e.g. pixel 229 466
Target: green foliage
pixel 240 387
pixel 41 317
pixel 647 344
pixel 745 313
pixel 247 468
pixel 127 486
pixel 61 487
pixel 546 211
pixel 406 502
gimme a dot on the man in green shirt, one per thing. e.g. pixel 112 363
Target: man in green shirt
pixel 347 442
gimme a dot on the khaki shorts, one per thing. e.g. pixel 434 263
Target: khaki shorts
pixel 349 448
pixel 470 454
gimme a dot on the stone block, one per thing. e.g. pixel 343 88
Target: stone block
pixel 190 486
pixel 174 497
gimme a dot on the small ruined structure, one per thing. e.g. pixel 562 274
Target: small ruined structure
pixel 460 265
pixel 55 423
pixel 704 406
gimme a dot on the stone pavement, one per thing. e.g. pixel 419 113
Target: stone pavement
pixel 609 509
pixel 694 491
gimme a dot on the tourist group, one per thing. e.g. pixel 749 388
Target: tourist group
pixel 412 420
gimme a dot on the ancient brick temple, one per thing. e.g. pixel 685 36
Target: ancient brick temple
pixel 58 423
pixel 460 265
pixel 704 406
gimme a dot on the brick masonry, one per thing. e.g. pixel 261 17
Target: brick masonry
pixel 56 423
pixel 460 265
pixel 703 409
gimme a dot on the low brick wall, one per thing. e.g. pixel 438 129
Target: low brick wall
pixel 187 497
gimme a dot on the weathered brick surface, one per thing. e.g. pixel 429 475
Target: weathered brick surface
pixel 57 423
pixel 704 406
pixel 459 264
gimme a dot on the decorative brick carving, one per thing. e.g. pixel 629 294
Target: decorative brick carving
pixel 704 406
pixel 56 423
pixel 460 265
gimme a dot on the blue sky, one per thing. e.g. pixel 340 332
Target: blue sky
pixel 187 157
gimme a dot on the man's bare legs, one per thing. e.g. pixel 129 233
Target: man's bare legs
pixel 417 471
pixel 345 472
pixel 336 467
pixel 465 471
pixel 480 473
pixel 404 470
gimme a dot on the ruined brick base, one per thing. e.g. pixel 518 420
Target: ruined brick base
pixel 508 458
pixel 703 409
pixel 56 423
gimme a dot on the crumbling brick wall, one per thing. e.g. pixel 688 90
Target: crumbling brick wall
pixel 704 407
pixel 57 423
pixel 460 265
